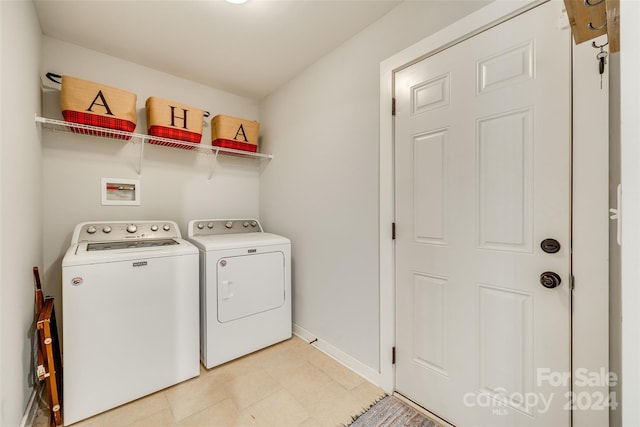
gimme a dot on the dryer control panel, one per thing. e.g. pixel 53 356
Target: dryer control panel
pixel 208 227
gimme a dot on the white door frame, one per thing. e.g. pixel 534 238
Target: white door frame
pixel 590 202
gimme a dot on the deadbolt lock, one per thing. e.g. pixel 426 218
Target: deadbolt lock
pixel 550 246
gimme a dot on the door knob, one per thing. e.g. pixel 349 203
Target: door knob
pixel 550 280
pixel 550 246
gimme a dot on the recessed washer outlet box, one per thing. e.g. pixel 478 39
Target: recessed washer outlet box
pixel 120 191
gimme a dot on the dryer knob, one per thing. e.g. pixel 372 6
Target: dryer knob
pixel 229 224
pixel 166 227
pixel 246 224
pixel 154 227
pixel 132 228
pixel 91 229
pixel 200 226
pixel 106 229
pixel 210 225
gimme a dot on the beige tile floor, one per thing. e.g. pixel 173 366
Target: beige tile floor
pixel 289 384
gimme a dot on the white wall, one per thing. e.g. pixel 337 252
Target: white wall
pixel 630 178
pixel 321 188
pixel 174 182
pixel 21 203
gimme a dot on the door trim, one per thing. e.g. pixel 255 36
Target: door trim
pixel 590 339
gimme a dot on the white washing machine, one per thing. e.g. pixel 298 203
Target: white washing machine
pixel 130 314
pixel 245 288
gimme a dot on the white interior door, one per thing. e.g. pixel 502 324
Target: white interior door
pixel 483 172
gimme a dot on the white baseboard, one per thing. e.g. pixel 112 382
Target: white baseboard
pixel 343 358
pixel 32 407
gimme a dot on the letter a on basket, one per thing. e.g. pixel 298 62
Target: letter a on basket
pixel 104 104
pixel 241 132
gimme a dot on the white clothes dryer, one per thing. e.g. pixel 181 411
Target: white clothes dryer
pixel 245 288
pixel 130 314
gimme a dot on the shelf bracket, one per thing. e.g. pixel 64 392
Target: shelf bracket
pixel 213 164
pixel 140 158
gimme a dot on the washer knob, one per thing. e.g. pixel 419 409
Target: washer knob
pixel 106 229
pixel 91 229
pixel 200 226
pixel 210 225
pixel 229 224
pixel 166 227
pixel 154 227
pixel 245 224
pixel 132 228
pixel 254 223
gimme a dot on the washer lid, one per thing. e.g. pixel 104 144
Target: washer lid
pixel 130 244
pixel 242 240
pixel 83 253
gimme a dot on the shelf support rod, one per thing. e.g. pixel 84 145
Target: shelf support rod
pixel 213 164
pixel 140 159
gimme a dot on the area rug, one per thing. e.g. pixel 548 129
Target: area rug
pixel 391 412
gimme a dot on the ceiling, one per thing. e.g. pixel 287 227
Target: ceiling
pixel 249 49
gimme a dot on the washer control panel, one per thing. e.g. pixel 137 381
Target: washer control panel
pixel 207 227
pixel 125 230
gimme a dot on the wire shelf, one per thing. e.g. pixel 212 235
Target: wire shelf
pixel 64 126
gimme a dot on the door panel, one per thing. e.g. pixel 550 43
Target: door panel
pixel 429 192
pixel 430 307
pixel 482 172
pixel 504 177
